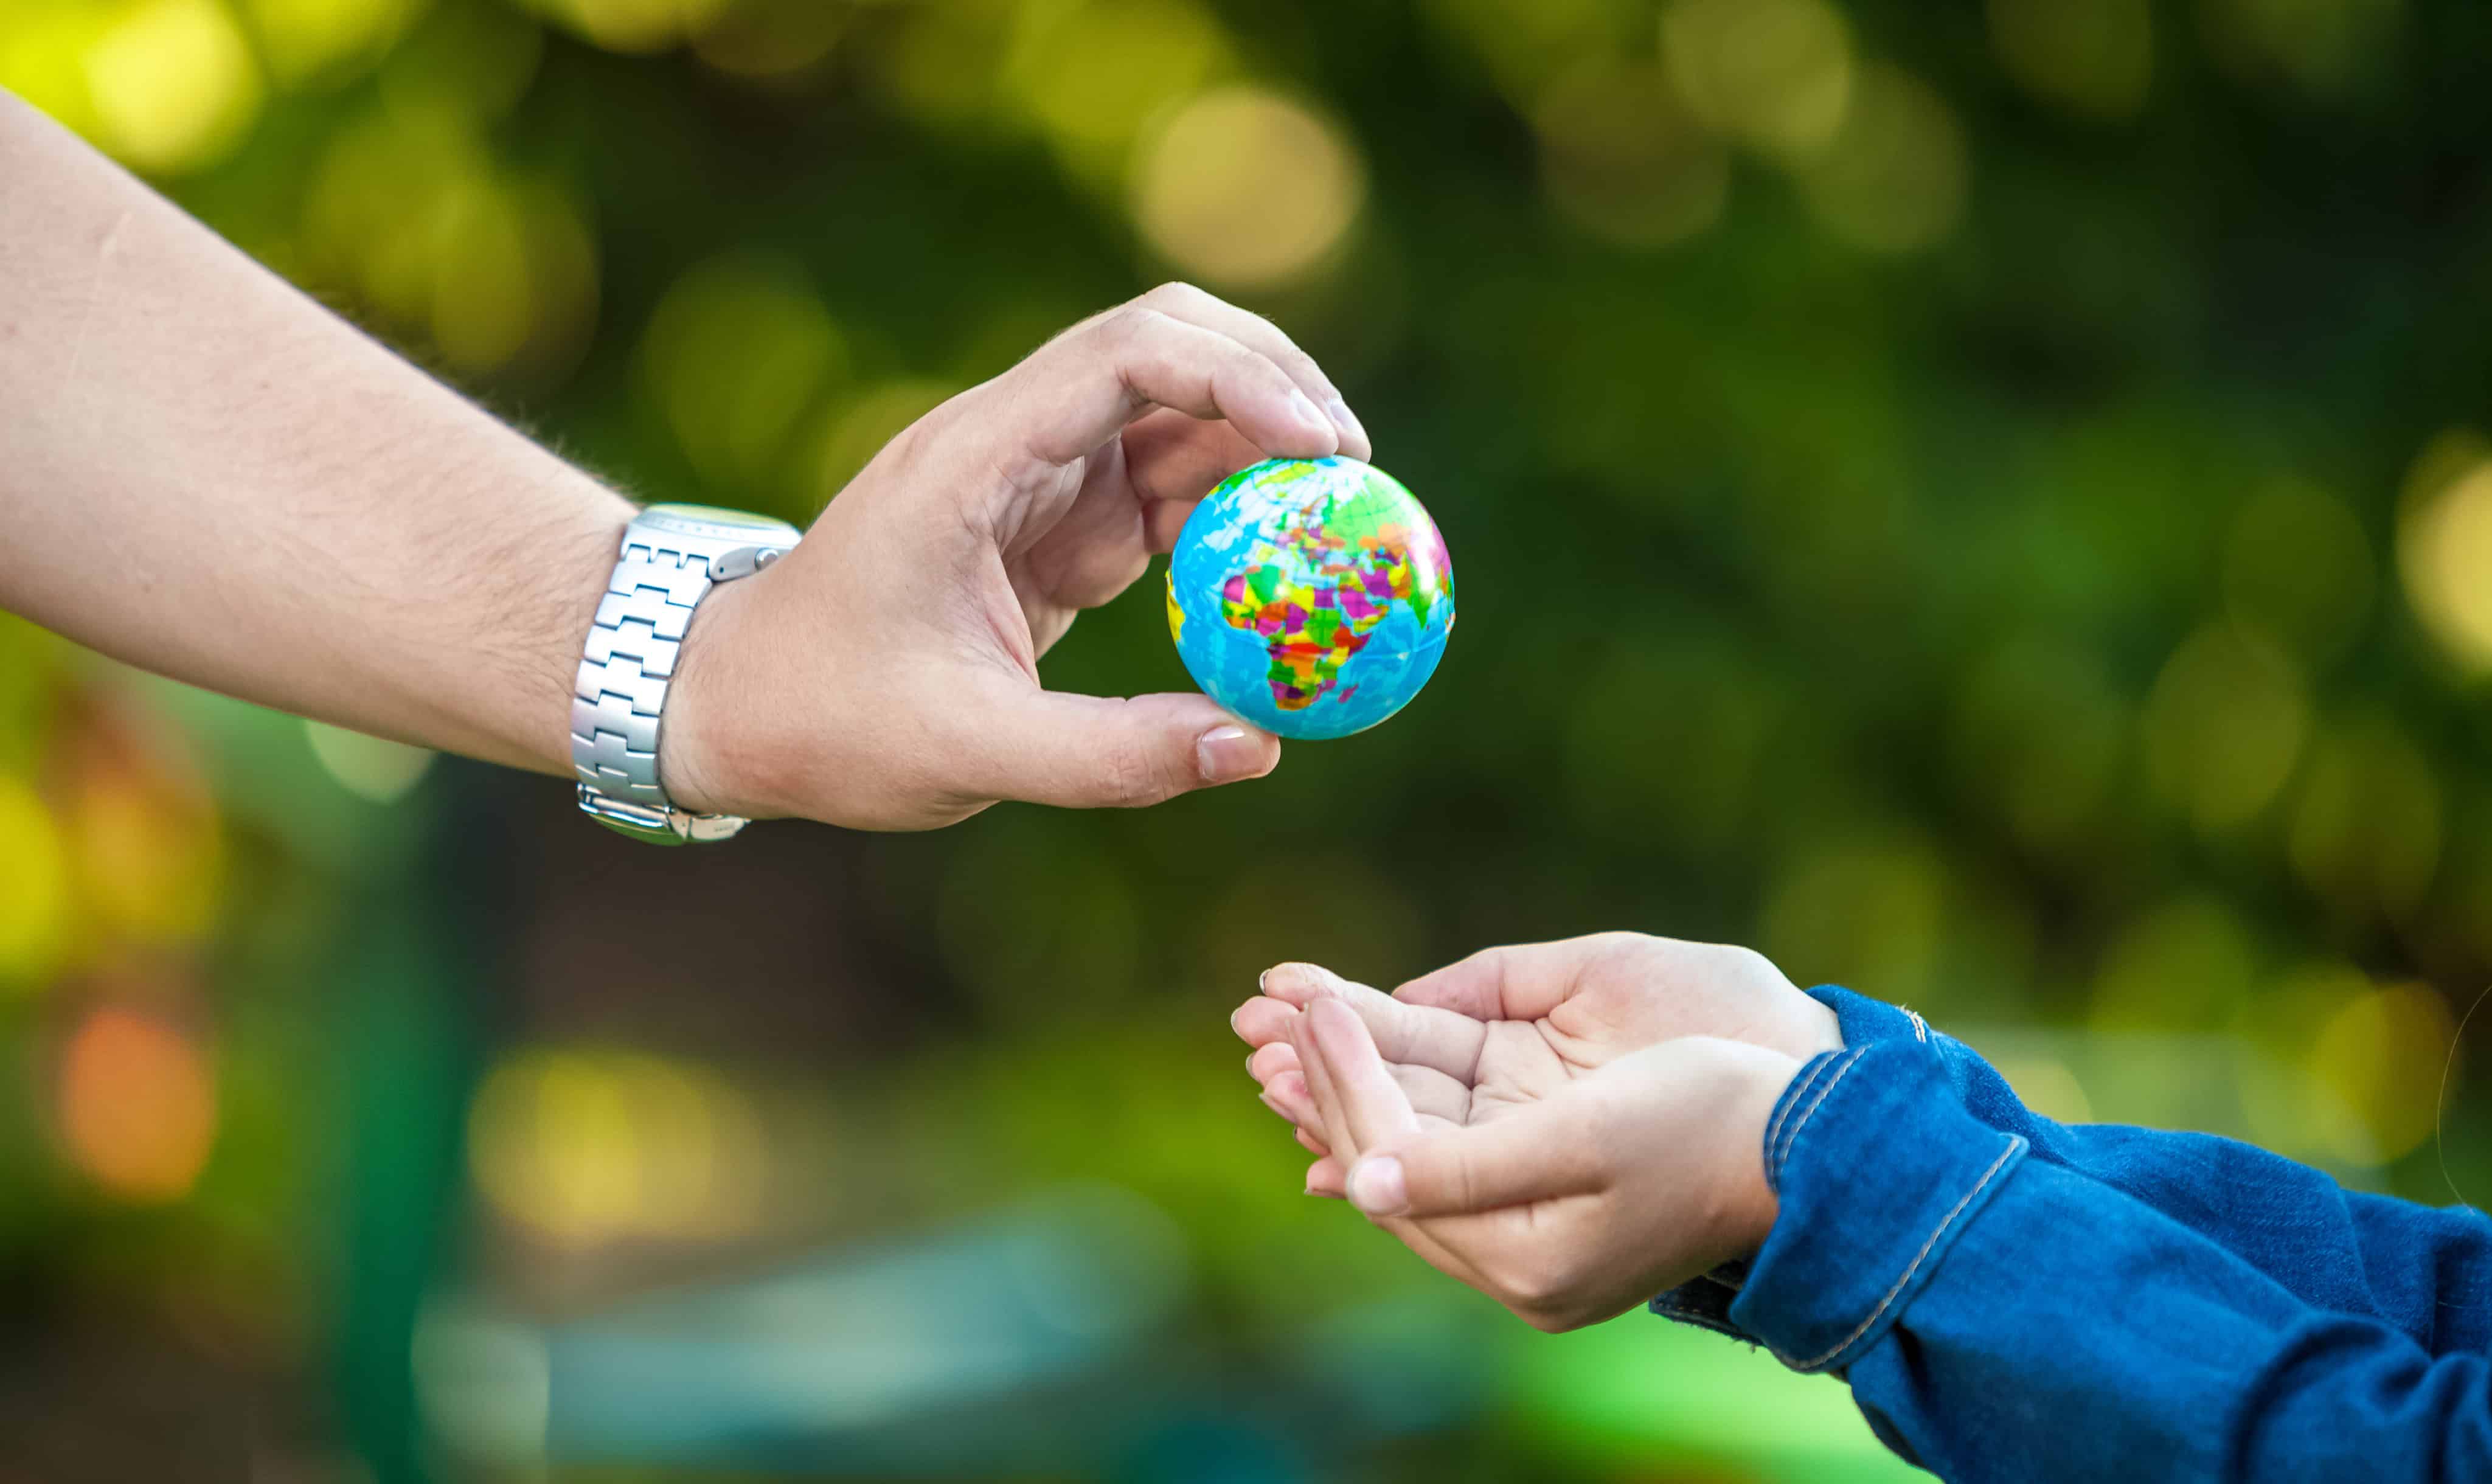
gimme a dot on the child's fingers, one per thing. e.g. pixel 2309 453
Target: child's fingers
pixel 1270 1061
pixel 1328 1120
pixel 1263 1021
pixel 1323 1179
pixel 1517 982
pixel 1372 1105
pixel 1419 1035
pixel 1287 1095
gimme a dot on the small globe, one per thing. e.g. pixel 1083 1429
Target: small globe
pixel 1311 597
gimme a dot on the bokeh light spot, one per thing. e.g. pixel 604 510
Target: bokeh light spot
pixel 739 348
pixel 1526 45
pixel 484 295
pixel 1246 188
pixel 2049 1087
pixel 2366 821
pixel 2383 1055
pixel 635 25
pixel 1777 74
pixel 367 767
pixel 585 1147
pixel 2223 725
pixel 1624 159
pixel 471 57
pixel 138 1105
pixel 174 85
pixel 2324 48
pixel 2444 553
pixel 34 886
pixel 770 39
pixel 1867 910
pixel 303 38
pixel 2093 57
pixel 853 434
pixel 1093 71
pixel 1893 177
pixel 149 854
pixel 2185 965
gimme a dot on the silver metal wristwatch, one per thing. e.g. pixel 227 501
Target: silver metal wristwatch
pixel 672 556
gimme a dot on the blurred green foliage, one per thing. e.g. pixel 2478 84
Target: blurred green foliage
pixel 1980 503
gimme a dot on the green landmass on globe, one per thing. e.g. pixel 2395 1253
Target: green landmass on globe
pixel 1312 561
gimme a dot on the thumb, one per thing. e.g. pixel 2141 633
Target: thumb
pixel 1538 1154
pixel 1092 752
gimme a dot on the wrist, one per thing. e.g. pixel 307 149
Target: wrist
pixel 1751 1204
pixel 713 755
pixel 1814 1029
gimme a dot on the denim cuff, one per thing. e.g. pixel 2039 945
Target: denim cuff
pixel 1879 1168
pixel 1706 1300
pixel 1864 1020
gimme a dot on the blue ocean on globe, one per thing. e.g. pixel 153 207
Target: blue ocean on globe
pixel 1311 597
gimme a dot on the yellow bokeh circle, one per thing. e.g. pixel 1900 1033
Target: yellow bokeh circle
pixel 1246 188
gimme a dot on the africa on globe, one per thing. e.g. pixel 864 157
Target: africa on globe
pixel 1311 597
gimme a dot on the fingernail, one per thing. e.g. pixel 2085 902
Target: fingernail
pixel 1227 754
pixel 1233 1019
pixel 1377 1186
pixel 1292 978
pixel 1347 421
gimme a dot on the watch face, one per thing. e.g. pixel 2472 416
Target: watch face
pixel 711 520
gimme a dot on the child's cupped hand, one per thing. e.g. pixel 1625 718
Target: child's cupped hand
pixel 1570 1206
pixel 1510 1027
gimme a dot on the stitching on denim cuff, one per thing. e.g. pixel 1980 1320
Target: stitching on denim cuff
pixel 2015 1143
pixel 1774 1162
pixel 1807 1079
pixel 1920 1027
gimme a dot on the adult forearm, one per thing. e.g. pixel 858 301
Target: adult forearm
pixel 206 474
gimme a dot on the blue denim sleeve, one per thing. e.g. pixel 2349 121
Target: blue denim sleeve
pixel 2427 1272
pixel 2001 1313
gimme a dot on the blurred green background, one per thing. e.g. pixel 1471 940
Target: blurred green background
pixel 1983 503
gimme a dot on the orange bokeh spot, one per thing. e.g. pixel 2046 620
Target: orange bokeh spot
pixel 138 1105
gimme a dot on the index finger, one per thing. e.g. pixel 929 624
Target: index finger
pixel 1247 328
pixel 1421 1035
pixel 1372 1105
pixel 1076 391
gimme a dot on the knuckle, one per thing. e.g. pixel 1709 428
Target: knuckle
pixel 1136 778
pixel 1749 964
pixel 1530 1286
pixel 1128 323
pixel 1559 1318
pixel 1175 293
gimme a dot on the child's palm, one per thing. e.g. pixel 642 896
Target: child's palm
pixel 1509 1028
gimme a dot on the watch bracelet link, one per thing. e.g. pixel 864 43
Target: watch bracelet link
pixel 619 696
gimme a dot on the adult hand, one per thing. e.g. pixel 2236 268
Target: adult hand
pixel 1511 1027
pixel 1574 1207
pixel 885 674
